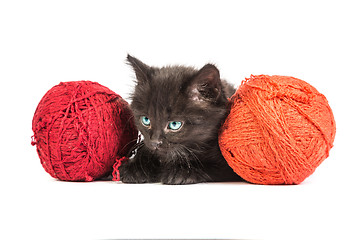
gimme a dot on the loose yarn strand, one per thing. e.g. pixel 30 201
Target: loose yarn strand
pixel 117 164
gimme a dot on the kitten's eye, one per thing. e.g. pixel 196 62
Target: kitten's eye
pixel 145 121
pixel 174 125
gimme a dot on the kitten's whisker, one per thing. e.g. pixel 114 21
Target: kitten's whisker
pixel 194 156
pixel 129 119
pixel 187 160
pixel 135 147
pixel 127 144
pixel 178 153
pixel 187 156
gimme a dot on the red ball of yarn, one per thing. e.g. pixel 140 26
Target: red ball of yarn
pixel 278 131
pixel 80 129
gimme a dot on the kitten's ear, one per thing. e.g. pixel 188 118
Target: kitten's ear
pixel 206 85
pixel 142 71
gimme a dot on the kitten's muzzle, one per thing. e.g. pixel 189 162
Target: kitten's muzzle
pixel 155 144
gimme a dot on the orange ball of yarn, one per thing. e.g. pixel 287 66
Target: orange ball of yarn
pixel 279 130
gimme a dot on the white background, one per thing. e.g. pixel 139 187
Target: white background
pixel 43 43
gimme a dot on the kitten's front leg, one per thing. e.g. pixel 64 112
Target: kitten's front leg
pixel 142 168
pixel 180 175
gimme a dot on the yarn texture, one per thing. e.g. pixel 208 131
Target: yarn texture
pixel 80 129
pixel 279 130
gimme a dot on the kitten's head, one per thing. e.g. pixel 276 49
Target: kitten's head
pixel 177 107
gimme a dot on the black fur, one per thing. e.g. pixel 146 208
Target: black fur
pixel 197 99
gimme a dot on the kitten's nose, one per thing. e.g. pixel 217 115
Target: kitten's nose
pixel 155 144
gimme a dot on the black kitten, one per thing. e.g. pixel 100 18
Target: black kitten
pixel 179 111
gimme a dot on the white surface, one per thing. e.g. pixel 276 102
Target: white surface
pixel 43 43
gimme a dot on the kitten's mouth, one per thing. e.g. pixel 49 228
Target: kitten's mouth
pixel 159 150
pixel 156 148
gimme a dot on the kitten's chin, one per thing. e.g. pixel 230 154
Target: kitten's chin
pixel 160 151
pixel 167 151
pixel 163 154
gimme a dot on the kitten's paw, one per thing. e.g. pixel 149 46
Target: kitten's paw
pixel 184 177
pixel 130 172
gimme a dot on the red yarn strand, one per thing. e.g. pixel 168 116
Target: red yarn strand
pixel 117 164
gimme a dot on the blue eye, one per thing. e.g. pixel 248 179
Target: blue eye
pixel 175 125
pixel 145 121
